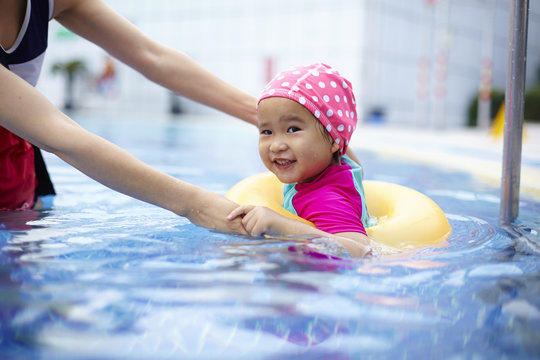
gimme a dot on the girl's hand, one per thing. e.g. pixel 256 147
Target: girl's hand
pixel 258 220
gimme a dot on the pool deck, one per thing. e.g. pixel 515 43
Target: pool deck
pixel 459 149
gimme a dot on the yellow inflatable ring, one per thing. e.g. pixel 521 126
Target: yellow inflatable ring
pixel 406 218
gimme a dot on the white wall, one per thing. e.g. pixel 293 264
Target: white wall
pixel 398 54
pixel 427 56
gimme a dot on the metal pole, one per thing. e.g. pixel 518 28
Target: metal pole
pixel 513 116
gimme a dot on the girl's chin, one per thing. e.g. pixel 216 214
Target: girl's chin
pixel 287 180
pixel 291 179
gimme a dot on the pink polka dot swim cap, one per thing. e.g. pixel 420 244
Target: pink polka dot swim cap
pixel 324 92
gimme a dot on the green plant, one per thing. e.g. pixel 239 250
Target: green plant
pixel 531 111
pixel 497 98
pixel 532 105
pixel 70 69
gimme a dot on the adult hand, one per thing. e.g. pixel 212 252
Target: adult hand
pixel 210 210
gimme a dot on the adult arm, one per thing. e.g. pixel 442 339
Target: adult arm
pixel 28 114
pixel 260 220
pixel 98 23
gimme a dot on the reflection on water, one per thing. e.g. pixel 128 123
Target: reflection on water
pixel 102 275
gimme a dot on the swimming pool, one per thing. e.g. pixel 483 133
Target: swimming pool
pixel 101 275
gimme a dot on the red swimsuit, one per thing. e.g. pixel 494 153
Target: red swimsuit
pixel 17 176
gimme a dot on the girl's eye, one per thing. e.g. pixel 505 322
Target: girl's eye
pixel 266 132
pixel 293 129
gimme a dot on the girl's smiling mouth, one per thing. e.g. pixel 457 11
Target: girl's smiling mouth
pixel 283 163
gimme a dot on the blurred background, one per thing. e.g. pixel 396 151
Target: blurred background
pixel 427 63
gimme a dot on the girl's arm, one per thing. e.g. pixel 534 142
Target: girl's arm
pixel 98 23
pixel 28 114
pixel 260 220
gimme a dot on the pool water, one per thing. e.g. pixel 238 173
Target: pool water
pixel 101 275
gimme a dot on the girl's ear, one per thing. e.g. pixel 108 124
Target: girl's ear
pixel 334 148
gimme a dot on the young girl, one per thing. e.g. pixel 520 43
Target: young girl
pixel 306 118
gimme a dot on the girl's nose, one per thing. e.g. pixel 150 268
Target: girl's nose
pixel 278 145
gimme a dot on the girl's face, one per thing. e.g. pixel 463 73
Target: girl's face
pixel 292 143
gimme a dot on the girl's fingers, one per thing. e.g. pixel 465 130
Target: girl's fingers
pixel 247 222
pixel 250 220
pixel 239 211
pixel 252 224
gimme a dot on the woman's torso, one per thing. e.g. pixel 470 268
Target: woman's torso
pixel 24 41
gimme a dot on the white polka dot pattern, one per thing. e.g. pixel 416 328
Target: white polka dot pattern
pixel 306 85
